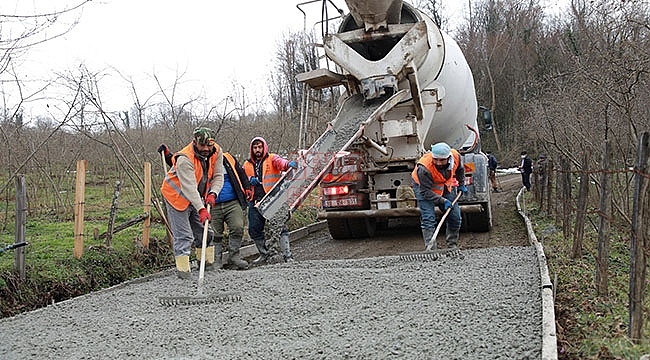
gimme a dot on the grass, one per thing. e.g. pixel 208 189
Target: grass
pixel 53 274
pixel 590 326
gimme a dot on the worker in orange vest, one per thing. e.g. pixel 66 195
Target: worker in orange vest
pixel 437 178
pixel 264 169
pixel 193 182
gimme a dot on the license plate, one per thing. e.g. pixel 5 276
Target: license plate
pixel 341 202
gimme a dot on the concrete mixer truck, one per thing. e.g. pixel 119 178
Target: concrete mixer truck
pixel 406 86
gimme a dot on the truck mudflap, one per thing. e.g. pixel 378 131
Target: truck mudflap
pixel 294 186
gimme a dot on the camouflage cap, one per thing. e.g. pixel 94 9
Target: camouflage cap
pixel 204 136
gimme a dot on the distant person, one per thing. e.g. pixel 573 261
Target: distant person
pixel 492 167
pixel 193 182
pixel 437 178
pixel 526 168
pixel 264 170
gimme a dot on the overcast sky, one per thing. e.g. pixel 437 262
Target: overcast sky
pixel 213 42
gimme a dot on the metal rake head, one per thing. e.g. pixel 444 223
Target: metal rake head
pixel 198 300
pixel 432 255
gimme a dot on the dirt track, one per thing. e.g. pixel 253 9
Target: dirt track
pixel 508 230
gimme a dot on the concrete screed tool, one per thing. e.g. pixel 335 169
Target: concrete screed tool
pixel 432 252
pixel 200 298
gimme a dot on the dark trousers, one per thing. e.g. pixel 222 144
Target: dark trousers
pixel 525 179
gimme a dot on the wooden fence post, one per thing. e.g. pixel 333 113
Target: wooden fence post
pixel 539 187
pixel 536 181
pixel 640 223
pixel 581 208
pixel 111 218
pixel 549 185
pixel 21 220
pixel 558 192
pixel 566 196
pixel 79 202
pixel 602 260
pixel 147 205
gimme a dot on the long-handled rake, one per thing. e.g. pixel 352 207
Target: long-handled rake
pixel 200 298
pixel 13 246
pixel 432 252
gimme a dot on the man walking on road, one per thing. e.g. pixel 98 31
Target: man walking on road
pixel 437 178
pixel 264 170
pixel 526 168
pixel 193 182
pixel 492 167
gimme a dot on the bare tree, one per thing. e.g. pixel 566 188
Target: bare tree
pixel 21 31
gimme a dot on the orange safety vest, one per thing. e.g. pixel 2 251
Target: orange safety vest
pixel 171 186
pixel 231 160
pixel 270 175
pixel 439 181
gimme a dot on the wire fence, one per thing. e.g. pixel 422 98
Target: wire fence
pixel 622 205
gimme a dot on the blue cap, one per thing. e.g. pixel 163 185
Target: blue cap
pixel 440 150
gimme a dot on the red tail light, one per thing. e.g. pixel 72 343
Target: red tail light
pixel 336 190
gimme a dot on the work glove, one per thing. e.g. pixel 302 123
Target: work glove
pixel 254 181
pixel 211 199
pixel 163 149
pixel 293 164
pixel 204 215
pixel 463 189
pixel 249 194
pixel 447 205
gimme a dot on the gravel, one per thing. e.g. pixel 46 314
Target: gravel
pixel 484 306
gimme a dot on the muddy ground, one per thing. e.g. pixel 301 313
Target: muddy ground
pixel 508 230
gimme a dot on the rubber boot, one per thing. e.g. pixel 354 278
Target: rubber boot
pixel 183 266
pixel 234 258
pixel 452 238
pixel 209 258
pixel 262 250
pixel 427 235
pixel 218 264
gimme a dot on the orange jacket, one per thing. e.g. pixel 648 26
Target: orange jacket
pixel 270 174
pixel 171 186
pixel 439 181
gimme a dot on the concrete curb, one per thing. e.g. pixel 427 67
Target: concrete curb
pixel 549 334
pixel 251 250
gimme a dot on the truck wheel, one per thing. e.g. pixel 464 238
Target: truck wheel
pixel 341 229
pixel 338 229
pixel 362 228
pixel 479 222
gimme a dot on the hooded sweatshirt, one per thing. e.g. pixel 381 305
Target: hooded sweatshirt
pixel 267 169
